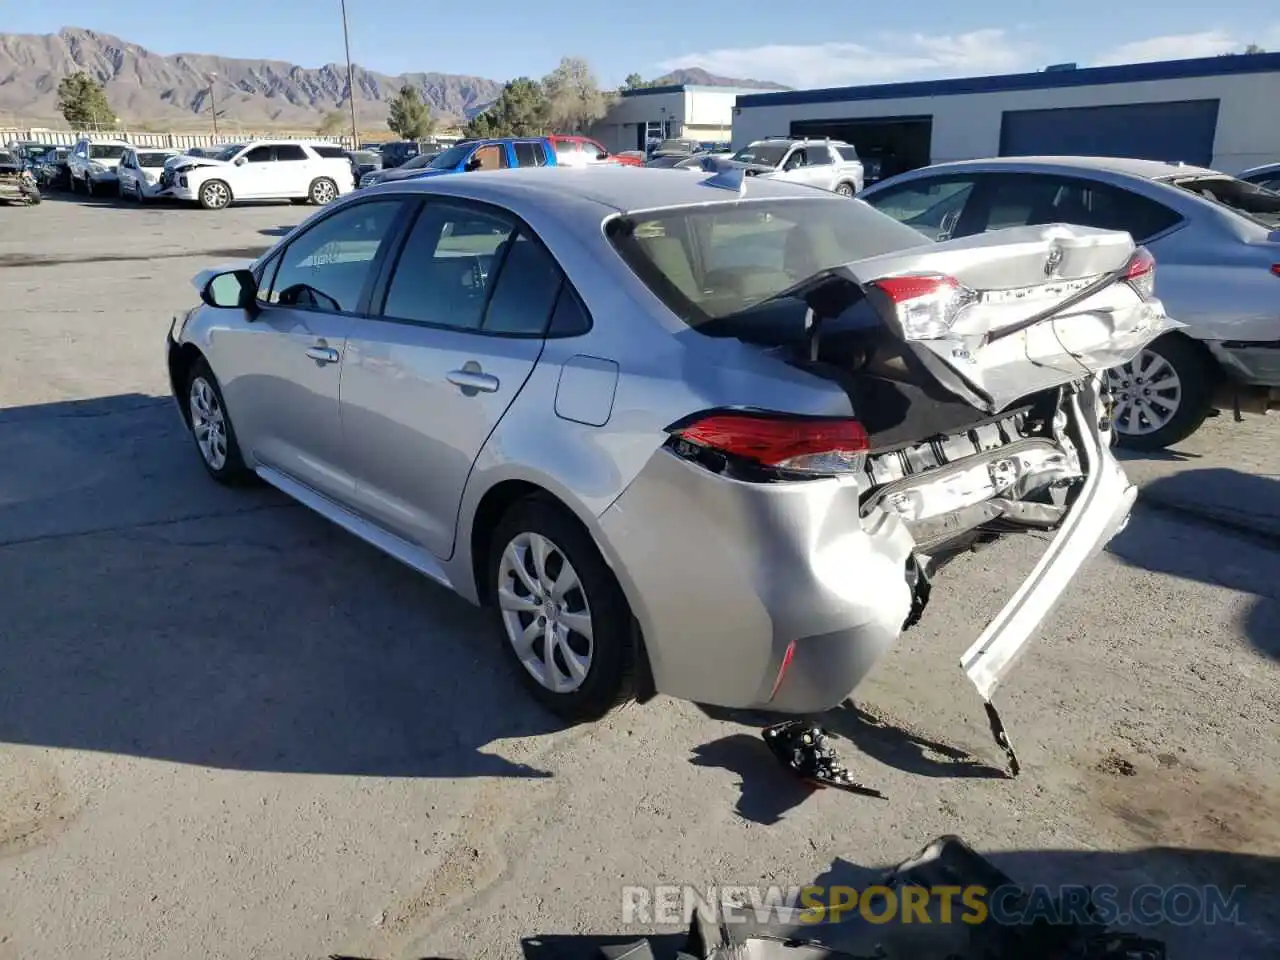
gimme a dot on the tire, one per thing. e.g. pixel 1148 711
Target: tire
pixel 88 186
pixel 214 194
pixel 216 443
pixel 844 189
pixel 322 191
pixel 611 653
pixel 1172 377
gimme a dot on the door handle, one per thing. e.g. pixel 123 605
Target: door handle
pixel 323 354
pixel 473 380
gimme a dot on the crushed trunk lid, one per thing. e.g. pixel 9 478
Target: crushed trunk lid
pixel 1005 314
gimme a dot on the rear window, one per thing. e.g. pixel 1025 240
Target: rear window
pixel 846 152
pixel 710 262
pixel 567 150
pixel 1254 202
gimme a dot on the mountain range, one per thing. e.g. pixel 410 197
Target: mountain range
pixel 173 91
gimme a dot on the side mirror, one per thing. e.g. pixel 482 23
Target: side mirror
pixel 473 164
pixel 233 290
pixel 241 161
pixel 602 155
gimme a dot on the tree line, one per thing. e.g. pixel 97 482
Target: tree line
pixel 567 100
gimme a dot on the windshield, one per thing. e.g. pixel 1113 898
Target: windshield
pixel 451 157
pixel 712 262
pixel 226 153
pixel 153 159
pixel 7 157
pixel 106 151
pixel 765 154
pixel 1250 200
pixel 419 161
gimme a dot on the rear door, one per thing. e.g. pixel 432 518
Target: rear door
pixel 462 313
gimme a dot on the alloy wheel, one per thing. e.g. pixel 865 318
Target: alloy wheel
pixel 208 423
pixel 844 190
pixel 216 194
pixel 1146 393
pixel 545 612
pixel 323 192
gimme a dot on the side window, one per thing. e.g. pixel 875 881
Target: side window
pixel 817 156
pixel 794 160
pixel 290 151
pixel 847 152
pixel 568 151
pixel 593 149
pixel 259 155
pixel 1114 209
pixel 327 153
pixel 932 207
pixel 491 157
pixel 446 268
pixel 327 267
pixel 570 317
pixel 127 160
pixel 530 154
pixel 1022 200
pixel 525 292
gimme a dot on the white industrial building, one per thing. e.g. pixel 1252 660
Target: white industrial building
pixel 658 113
pixel 1216 111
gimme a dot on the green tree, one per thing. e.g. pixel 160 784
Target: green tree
pixel 519 111
pixel 574 100
pixel 83 102
pixel 409 117
pixel 331 123
pixel 634 82
pixel 1254 48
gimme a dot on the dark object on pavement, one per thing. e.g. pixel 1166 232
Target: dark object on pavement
pixel 804 748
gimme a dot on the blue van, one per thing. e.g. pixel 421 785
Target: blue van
pixel 500 153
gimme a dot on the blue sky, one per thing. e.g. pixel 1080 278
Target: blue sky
pixel 815 43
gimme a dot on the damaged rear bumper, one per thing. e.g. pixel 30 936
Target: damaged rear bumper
pixel 785 595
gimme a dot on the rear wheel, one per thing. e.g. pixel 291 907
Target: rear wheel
pixel 1163 395
pixel 844 189
pixel 562 616
pixel 322 191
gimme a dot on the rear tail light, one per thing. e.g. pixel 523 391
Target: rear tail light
pixel 1275 269
pixel 926 306
pixel 782 670
pixel 815 446
pixel 1141 273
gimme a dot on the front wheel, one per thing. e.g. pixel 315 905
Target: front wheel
pixel 562 616
pixel 322 191
pixel 214 195
pixel 211 428
pixel 1162 395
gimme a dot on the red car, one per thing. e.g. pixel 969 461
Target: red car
pixel 574 150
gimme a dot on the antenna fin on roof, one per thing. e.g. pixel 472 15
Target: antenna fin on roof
pixel 729 178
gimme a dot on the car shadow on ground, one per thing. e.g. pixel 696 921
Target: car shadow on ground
pixel 102 199
pixel 1167 534
pixel 1174 891
pixel 280 231
pixel 152 613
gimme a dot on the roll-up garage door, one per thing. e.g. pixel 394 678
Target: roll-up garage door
pixel 1180 130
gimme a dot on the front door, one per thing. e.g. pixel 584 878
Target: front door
pixel 423 386
pixel 289 356
pixel 291 173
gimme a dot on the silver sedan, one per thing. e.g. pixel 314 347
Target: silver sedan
pixel 692 435
pixel 1216 239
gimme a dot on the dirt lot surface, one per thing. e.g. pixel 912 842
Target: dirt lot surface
pixel 228 729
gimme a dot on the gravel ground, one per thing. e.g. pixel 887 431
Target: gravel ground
pixel 227 729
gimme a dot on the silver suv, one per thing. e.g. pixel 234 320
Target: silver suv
pixel 830 164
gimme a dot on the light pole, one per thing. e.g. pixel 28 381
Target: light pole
pixel 351 86
pixel 213 103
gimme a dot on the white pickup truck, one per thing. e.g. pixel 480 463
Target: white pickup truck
pixel 829 164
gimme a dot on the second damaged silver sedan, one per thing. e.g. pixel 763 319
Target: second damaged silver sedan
pixel 695 435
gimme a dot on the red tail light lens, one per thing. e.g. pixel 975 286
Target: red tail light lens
pixel 1275 268
pixel 926 305
pixel 812 445
pixel 1141 273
